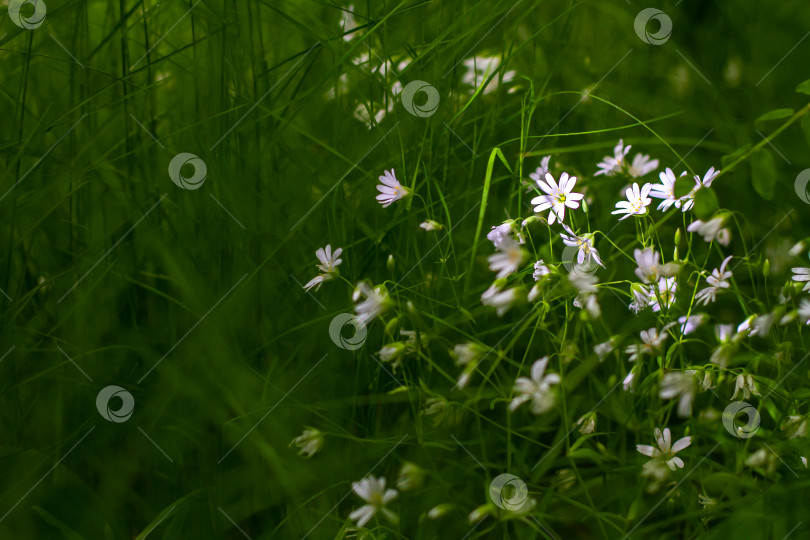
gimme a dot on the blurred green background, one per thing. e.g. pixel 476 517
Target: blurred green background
pixel 108 269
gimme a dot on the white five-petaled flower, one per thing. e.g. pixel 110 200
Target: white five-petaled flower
pixel 536 389
pixel 681 384
pixel 663 293
pixel 666 191
pixel 500 233
pixel 711 230
pixel 329 262
pixel 716 281
pixel 666 450
pixel 651 342
pixel 390 189
pixel 584 245
pixel 480 68
pixel 691 323
pixel 557 197
pixel 372 490
pixel 641 165
pixel 802 274
pixel 375 303
pixel 708 178
pixel 611 165
pixel 636 203
pixel 430 225
pixel 540 173
pixel 508 258
pixel 804 310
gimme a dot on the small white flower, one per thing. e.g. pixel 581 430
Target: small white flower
pixel 708 178
pixel 509 258
pixel 540 173
pixel 630 380
pixel 691 323
pixel 802 274
pixel 641 165
pixel 710 230
pixel 329 263
pixel 636 203
pixel 464 353
pixel 649 263
pixel 501 300
pixel 662 294
pixel 706 502
pixel 676 384
pixel 651 342
pixel 666 450
pixel 611 165
pixel 717 281
pixel 390 189
pixel 375 303
pixel 666 192
pixel 372 490
pixel 643 297
pixel 536 389
pixel 309 442
pixel 498 235
pixel 431 225
pixel 479 68
pixel 557 197
pixel 584 245
pixel 744 383
pixel 603 349
pixel 540 270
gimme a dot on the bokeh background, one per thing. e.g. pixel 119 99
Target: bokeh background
pixel 191 300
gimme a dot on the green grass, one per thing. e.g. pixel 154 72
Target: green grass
pixel 191 300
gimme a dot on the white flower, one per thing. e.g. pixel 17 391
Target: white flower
pixel 716 281
pixel 390 189
pixel 611 165
pixel 509 258
pixel 666 191
pixel 636 203
pixel 642 164
pixel 557 196
pixel 746 384
pixel 680 384
pixel 540 173
pixel 479 68
pixel 375 303
pixel 431 225
pixel 708 178
pixel 536 389
pixel 603 349
pixel 309 442
pixel 372 490
pixel 663 293
pixel 329 263
pixel 630 379
pixel 642 297
pixel 651 342
pixel 666 450
pixel 498 235
pixel 584 245
pixel 802 274
pixel 711 230
pixel 706 502
pixel 540 270
pixel 691 323
pixel 649 266
pixel 501 300
pixel 464 353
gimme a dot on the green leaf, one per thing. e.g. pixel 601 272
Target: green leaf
pixel 705 203
pixel 763 174
pixel 776 114
pixel 804 88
